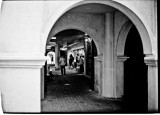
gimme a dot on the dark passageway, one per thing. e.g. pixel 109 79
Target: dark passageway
pixel 72 93
pixel 135 79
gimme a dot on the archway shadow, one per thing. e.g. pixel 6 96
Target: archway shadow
pixel 135 74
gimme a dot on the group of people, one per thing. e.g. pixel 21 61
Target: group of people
pixel 78 64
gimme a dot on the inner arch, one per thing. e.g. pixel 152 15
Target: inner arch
pixel 145 36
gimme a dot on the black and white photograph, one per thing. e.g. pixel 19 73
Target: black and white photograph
pixel 78 57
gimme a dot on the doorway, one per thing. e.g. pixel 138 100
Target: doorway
pixel 76 43
pixel 74 92
pixel 135 74
pixel 91 52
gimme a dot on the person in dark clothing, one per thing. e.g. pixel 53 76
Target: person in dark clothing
pixel 77 61
pixel 71 59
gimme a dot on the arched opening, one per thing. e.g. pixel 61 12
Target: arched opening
pixel 74 42
pixel 135 74
pixel 91 52
pixel 148 50
pixel 144 31
pixel 74 83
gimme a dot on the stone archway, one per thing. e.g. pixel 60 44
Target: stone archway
pixel 120 45
pixel 78 22
pixel 135 73
pixel 143 30
pixel 89 32
pixel 90 49
pixel 121 58
pixel 142 27
pixel 72 21
pixel 122 38
pixel 73 28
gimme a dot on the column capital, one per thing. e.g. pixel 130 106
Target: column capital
pixel 99 57
pixel 22 60
pixel 151 60
pixel 122 58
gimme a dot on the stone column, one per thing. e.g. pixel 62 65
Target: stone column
pixel 120 75
pixel 20 82
pixel 42 82
pixel 151 61
pixel 98 74
pixel 57 49
pixel 21 58
pixel 85 57
pixel 108 88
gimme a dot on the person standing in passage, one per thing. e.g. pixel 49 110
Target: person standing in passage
pixel 71 59
pixel 52 59
pixel 81 64
pixel 77 61
pixel 62 62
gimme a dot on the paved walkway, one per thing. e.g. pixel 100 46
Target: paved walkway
pixel 71 93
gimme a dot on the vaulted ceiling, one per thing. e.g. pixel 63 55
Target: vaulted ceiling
pixel 71 35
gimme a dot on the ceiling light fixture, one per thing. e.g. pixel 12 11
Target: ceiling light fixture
pixel 53 38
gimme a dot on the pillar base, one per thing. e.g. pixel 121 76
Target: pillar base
pixel 20 82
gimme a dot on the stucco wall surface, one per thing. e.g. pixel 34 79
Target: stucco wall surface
pixel 20 27
pixel 20 36
pixel 141 13
pixel 24 30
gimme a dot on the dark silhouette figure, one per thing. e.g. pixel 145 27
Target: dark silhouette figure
pixel 71 59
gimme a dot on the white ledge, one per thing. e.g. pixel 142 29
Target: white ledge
pixel 151 60
pixel 22 60
pixel 98 58
pixel 122 58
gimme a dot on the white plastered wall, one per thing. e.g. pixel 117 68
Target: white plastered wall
pixel 24 28
pixel 20 56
